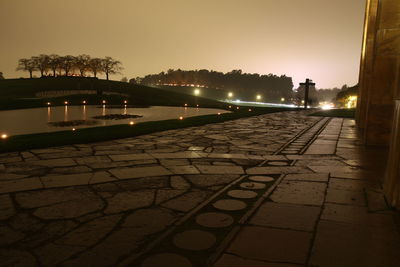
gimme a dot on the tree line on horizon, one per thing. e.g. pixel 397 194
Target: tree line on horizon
pixel 272 87
pixel 55 65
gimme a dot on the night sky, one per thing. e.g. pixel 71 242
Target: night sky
pixel 317 39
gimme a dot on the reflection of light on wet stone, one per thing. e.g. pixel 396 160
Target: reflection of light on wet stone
pixel 242 194
pixel 229 204
pixel 214 219
pixel 264 179
pixel 278 163
pixel 252 185
pixel 194 240
pixel 166 259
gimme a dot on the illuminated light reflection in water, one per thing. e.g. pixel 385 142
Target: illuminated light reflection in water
pixel 35 120
pixel 65 113
pixel 48 114
pixel 84 112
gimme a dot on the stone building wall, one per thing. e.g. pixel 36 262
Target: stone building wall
pixel 378 113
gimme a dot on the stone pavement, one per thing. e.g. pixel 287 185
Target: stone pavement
pixel 279 189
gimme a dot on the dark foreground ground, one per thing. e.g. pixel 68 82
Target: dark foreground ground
pixel 281 189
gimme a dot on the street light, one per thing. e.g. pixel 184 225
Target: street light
pixel 230 94
pixel 196 91
pixel 258 97
pixel 282 99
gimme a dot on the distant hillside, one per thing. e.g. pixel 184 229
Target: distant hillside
pixel 34 91
pixel 212 93
pixel 244 86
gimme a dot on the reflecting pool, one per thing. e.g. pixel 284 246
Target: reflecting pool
pixel 37 120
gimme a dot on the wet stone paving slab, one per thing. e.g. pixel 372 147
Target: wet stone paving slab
pixel 225 194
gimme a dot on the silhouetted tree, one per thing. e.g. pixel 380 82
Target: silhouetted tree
pixel 95 65
pixel 42 63
pixel 82 63
pixel 110 66
pixel 27 64
pixel 67 63
pixel 54 63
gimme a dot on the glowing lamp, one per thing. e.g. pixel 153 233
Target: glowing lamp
pixel 326 107
pixel 48 103
pixel 65 102
pixel 131 123
pixel 237 107
pixel 230 106
pixel 84 102
pixel 230 94
pixel 219 113
pixel 197 105
pixel 73 129
pixel 104 101
pixel 258 97
pixel 196 91
pixel 185 105
pixel 181 118
pixel 249 109
pixel 125 101
pixel 4 136
pixel 282 99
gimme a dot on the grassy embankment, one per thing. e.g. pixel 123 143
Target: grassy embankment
pixel 20 93
pixel 340 113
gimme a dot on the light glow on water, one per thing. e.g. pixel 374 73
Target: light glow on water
pixel 35 120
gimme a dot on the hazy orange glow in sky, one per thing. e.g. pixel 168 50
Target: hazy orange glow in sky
pixel 317 39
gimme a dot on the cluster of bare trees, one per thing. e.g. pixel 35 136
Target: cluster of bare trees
pixel 55 65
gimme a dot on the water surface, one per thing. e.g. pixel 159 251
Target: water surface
pixel 35 120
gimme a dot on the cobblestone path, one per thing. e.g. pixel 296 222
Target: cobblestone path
pixel 271 190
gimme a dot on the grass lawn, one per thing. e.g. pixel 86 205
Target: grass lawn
pixel 96 134
pixel 340 113
pixel 21 93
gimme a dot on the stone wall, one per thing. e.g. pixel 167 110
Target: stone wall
pixel 378 113
pixel 379 70
pixel 392 179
